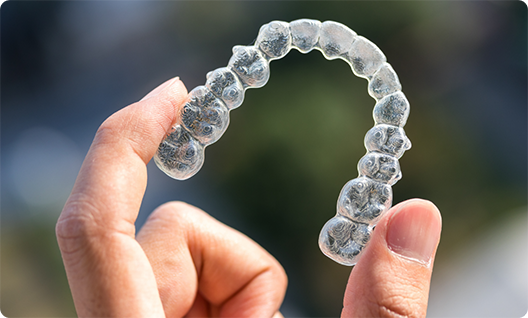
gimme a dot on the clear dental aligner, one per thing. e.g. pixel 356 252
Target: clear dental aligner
pixel 363 200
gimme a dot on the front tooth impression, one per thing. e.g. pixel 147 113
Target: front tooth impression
pixel 335 40
pixel 384 82
pixel 365 57
pixel 305 34
pixel 274 39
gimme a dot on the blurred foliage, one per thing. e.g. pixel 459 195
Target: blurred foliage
pixel 33 278
pixel 295 142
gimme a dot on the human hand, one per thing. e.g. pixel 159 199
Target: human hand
pixel 185 263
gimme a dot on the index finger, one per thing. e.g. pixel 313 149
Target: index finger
pixel 108 271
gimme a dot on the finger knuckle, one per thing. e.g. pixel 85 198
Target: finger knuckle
pixel 398 306
pixel 176 212
pixel 73 229
pixel 123 131
pixel 107 130
pixel 84 224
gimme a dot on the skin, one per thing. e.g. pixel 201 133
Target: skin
pixel 182 262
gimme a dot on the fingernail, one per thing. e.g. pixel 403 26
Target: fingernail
pixel 414 231
pixel 160 88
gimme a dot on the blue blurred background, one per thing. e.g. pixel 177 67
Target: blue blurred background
pixel 276 173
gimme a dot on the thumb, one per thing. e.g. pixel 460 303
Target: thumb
pixel 392 277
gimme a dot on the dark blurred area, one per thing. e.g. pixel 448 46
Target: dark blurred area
pixel 276 173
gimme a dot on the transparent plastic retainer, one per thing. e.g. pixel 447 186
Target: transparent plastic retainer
pixel 363 200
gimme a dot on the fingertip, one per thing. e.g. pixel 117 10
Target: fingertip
pixel 143 125
pixel 175 81
pixel 171 99
pixel 278 314
pixel 165 102
pixel 175 91
pixel 413 231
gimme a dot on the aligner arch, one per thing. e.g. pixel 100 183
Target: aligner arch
pixel 363 200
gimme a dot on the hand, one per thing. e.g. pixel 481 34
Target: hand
pixel 185 263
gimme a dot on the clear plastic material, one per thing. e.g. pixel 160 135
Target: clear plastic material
pixel 363 200
pixel 204 116
pixel 343 240
pixel 250 65
pixel 335 40
pixel 305 34
pixel 384 82
pixel 274 39
pixel 387 139
pixel 365 57
pixel 380 167
pixel 392 109
pixel 180 155
pixel 227 86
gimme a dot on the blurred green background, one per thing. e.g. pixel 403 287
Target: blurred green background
pixel 276 173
